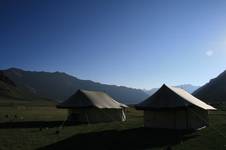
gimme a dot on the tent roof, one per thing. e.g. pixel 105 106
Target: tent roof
pixel 85 99
pixel 172 97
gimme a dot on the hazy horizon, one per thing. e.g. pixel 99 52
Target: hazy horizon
pixel 138 44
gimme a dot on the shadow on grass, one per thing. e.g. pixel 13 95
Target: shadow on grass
pixel 138 138
pixel 34 124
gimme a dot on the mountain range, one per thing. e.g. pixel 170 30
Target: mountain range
pixel 58 86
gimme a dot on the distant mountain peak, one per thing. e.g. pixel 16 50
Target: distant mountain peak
pixel 14 69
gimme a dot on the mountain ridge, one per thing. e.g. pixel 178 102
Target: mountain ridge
pixel 59 85
pixel 214 91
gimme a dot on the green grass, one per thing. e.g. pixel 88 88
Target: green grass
pixel 116 135
pixel 212 138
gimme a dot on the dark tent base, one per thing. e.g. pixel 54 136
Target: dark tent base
pixel 93 115
pixel 182 119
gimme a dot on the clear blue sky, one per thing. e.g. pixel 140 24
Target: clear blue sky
pixel 140 44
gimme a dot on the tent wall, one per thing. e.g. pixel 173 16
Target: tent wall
pixel 94 115
pixel 198 118
pixel 190 118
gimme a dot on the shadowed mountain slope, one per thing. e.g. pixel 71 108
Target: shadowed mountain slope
pixel 9 90
pixel 59 86
pixel 214 91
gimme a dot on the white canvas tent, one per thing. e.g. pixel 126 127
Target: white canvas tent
pixel 174 108
pixel 92 107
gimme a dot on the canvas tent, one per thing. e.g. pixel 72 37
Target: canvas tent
pixel 92 107
pixel 174 108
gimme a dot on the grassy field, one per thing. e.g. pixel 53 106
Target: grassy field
pixel 28 127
